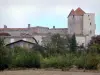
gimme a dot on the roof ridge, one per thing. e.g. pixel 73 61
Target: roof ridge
pixel 77 12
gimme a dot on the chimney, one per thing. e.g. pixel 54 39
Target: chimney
pixel 53 27
pixel 29 25
pixel 5 26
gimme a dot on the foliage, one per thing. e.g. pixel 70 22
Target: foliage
pixel 91 62
pixel 95 40
pixel 61 52
pixel 57 61
pixel 4 55
pixel 39 48
pixel 28 59
pixel 79 62
pixel 58 45
pixel 94 45
pixel 87 61
pixel 73 44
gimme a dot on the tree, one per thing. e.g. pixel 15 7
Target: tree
pixel 94 45
pixel 35 40
pixel 56 45
pixel 4 55
pixel 73 44
pixel 38 47
pixel 95 40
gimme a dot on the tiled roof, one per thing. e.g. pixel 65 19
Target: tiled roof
pixel 18 36
pixel 13 28
pixel 77 12
pixel 5 34
pixel 59 29
pixel 22 28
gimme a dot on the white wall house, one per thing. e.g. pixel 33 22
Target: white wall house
pixel 82 25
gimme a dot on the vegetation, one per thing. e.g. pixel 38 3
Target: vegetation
pixel 73 44
pixel 60 52
pixel 4 55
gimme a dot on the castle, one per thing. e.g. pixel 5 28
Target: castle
pixel 80 23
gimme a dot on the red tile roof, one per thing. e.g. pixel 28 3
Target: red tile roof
pixel 13 28
pixel 5 34
pixel 77 12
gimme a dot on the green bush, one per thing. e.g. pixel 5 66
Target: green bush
pixel 4 55
pixel 80 62
pixel 91 62
pixel 57 61
pixel 26 59
pixel 88 61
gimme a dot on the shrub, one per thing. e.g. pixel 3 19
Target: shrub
pixel 4 55
pixel 91 62
pixel 80 62
pixel 57 61
pixel 26 59
pixel 88 61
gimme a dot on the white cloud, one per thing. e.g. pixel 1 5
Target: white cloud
pixel 15 13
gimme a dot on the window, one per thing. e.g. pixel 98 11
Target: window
pixel 11 40
pixel 90 23
pixel 90 32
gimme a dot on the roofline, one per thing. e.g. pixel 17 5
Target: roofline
pixel 59 28
pixel 19 41
pixel 18 36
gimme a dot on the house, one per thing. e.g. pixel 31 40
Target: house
pixel 21 43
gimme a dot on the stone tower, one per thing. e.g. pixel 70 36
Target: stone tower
pixel 82 24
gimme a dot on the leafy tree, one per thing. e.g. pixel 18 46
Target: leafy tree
pixel 24 58
pixel 73 44
pixel 57 41
pixel 94 45
pixel 4 55
pixel 38 47
pixel 57 44
pixel 95 40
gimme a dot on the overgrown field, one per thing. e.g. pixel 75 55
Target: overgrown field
pixel 60 53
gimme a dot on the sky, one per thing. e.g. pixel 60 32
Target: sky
pixel 47 13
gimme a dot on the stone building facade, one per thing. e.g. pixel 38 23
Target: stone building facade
pixel 80 23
